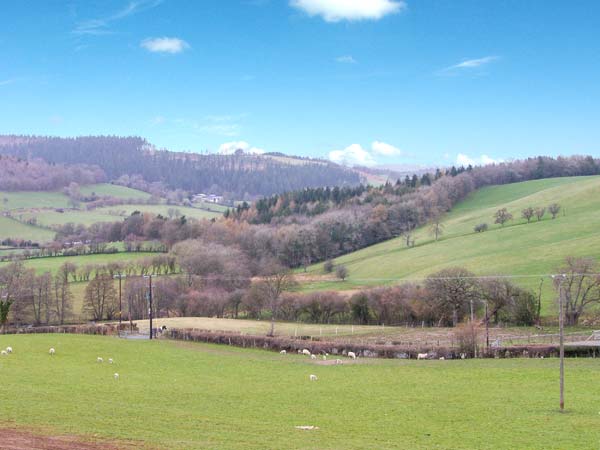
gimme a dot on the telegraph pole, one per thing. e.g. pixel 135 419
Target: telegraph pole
pixel 561 278
pixel 150 300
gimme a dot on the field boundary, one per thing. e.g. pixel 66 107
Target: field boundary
pixel 341 348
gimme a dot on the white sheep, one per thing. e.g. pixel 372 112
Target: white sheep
pixel 51 352
pixel 422 355
pixel 313 377
pixel 282 352
pixel 352 355
pixel 442 358
pixel 306 352
pixel 313 356
pixel 116 375
pixel 8 349
pixel 99 359
pixel 339 361
pixel 110 360
pixel 463 356
pixel 3 353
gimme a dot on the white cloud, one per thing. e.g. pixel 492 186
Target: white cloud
pixel 383 149
pixel 338 10
pixel 469 64
pixel 352 155
pixel 100 26
pixel 229 148
pixel 164 45
pixel 346 59
pixel 483 160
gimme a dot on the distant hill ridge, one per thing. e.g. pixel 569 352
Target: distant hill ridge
pixel 240 176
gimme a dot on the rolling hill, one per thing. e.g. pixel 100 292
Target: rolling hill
pixel 55 208
pixel 525 250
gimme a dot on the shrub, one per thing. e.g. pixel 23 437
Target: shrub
pixel 466 339
pixel 341 272
pixel 328 266
pixel 481 228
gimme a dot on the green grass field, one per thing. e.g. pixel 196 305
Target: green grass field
pixel 113 214
pixel 10 228
pixel 184 395
pixel 51 264
pixel 114 190
pixel 517 248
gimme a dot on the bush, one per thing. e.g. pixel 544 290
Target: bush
pixel 481 228
pixel 341 272
pixel 466 339
pixel 328 266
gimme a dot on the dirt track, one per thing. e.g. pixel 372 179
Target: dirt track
pixel 22 439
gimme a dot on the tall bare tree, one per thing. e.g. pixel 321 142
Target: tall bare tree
pixel 502 216
pixel 528 214
pixel 275 280
pixel 580 287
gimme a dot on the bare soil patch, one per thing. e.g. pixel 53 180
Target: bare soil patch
pixel 24 439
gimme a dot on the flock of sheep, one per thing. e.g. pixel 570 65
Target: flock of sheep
pixel 52 352
pixel 324 356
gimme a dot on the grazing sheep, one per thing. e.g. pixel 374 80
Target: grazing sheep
pixel 339 361
pixel 8 349
pixel 421 355
pixel 299 351
pixel 442 358
pixel 3 353
pixel 51 352
pixel 282 352
pixel 313 378
pixel 116 375
pixel 463 356
pixel 110 360
pixel 99 359
pixel 352 355
pixel 313 356
pixel 306 352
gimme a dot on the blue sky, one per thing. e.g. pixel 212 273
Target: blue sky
pixel 370 81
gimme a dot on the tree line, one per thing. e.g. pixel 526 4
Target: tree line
pixel 238 176
pixel 17 174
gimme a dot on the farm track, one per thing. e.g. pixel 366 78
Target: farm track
pixel 23 439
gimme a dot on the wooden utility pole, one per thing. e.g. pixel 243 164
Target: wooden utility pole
pixel 562 344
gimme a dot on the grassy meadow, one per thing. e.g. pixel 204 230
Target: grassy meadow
pixel 528 251
pixel 186 395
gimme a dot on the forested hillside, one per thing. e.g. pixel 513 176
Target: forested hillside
pixel 239 176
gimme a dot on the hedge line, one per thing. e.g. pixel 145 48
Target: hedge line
pixel 364 350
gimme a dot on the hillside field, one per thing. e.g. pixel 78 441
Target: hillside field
pixel 528 251
pixel 54 208
pixel 186 395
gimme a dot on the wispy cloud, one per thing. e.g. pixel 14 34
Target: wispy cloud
pixel 226 126
pixel 468 64
pixel 346 59
pixel 165 45
pixel 350 10
pixel 101 26
pixel 7 82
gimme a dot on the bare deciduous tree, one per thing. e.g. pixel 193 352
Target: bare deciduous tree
pixel 580 287
pixel 502 216
pixel 528 214
pixel 554 209
pixel 539 213
pixel 276 279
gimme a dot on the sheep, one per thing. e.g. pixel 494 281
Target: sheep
pixel 51 352
pixel 352 355
pixel 339 361
pixel 110 360
pixel 463 356
pixel 313 356
pixel 8 349
pixel 99 359
pixel 3 353
pixel 306 352
pixel 282 352
pixel 421 355
pixel 442 358
pixel 116 375
pixel 299 351
pixel 313 377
